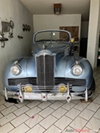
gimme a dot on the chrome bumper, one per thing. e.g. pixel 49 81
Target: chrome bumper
pixel 68 96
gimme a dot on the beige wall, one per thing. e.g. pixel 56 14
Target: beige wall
pixel 42 22
pixel 14 48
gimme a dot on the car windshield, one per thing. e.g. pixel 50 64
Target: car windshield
pixel 52 36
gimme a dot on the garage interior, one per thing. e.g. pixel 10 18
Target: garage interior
pixel 82 18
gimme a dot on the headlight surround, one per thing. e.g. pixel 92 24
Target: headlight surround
pixel 15 69
pixel 77 70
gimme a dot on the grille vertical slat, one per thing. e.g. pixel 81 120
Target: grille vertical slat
pixel 49 70
pixel 45 71
pixel 40 71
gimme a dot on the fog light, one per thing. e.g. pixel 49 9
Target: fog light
pixel 28 88
pixel 62 88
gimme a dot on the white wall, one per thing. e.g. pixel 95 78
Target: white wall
pixel 42 22
pixel 93 34
pixel 14 48
pixel 84 29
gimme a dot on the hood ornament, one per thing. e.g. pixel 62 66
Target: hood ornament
pixel 76 62
pixel 44 47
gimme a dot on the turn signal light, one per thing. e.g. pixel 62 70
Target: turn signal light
pixel 27 88
pixel 62 88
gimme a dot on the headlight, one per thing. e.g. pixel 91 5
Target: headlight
pixel 77 70
pixel 15 69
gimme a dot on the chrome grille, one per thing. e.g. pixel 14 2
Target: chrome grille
pixel 45 72
pixel 71 81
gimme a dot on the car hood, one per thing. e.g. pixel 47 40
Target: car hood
pixel 53 47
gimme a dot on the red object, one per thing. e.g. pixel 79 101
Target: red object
pixel 32 117
pixel 21 97
pixel 43 96
pixel 68 97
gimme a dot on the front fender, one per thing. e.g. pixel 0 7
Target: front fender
pixel 28 69
pixel 64 69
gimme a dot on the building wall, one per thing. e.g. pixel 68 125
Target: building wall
pixel 41 22
pixel 14 48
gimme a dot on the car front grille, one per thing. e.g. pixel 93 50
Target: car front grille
pixel 71 81
pixel 45 71
pixel 24 81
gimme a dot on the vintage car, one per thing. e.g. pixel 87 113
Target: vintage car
pixel 51 73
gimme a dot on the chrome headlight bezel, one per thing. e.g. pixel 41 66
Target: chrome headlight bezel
pixel 77 70
pixel 15 69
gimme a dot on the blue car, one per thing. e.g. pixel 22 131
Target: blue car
pixel 51 73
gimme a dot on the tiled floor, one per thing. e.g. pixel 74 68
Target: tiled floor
pixel 52 116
